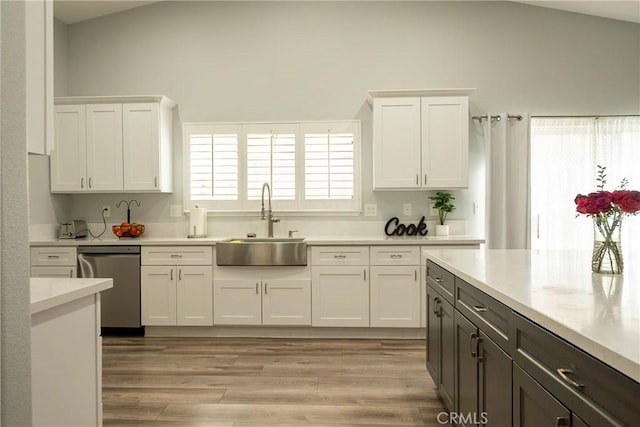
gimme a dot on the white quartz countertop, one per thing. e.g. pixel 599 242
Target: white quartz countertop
pixel 556 289
pixel 47 293
pixel 310 240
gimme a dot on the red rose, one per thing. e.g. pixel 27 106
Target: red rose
pixel 618 195
pixel 599 202
pixel 630 203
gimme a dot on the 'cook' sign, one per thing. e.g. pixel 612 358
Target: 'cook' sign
pixel 395 228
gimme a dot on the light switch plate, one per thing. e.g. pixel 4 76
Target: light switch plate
pixel 176 211
pixel 106 211
pixel 406 209
pixel 370 209
pixel 433 211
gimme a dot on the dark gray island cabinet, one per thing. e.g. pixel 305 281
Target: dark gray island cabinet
pixel 494 366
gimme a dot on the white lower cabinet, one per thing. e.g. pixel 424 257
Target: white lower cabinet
pixel 395 286
pixel 262 296
pixel 177 294
pixel 395 296
pixel 52 261
pixel 340 296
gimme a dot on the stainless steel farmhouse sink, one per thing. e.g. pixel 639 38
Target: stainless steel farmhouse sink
pixel 252 251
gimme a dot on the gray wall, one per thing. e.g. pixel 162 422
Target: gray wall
pixel 15 313
pixel 242 61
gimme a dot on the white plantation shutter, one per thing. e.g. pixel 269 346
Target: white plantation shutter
pixel 310 166
pixel 214 163
pixel 329 166
pixel 271 158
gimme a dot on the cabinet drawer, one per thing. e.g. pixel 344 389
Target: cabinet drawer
pixel 340 255
pixel 395 255
pixel 55 271
pixel 49 256
pixel 441 280
pixel 595 392
pixel 491 316
pixel 177 255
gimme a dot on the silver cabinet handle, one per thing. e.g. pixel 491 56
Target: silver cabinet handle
pixel 563 374
pixel 417 179
pixel 155 182
pixel 364 272
pixel 415 275
pixel 176 256
pixel 172 274
pixel 436 311
pixel 425 178
pixel 395 256
pixel 180 274
pixel 81 182
pixel 265 288
pixel 480 308
pixel 53 256
pixel 71 273
pixel 478 349
pixel 89 182
pixel 339 256
pixel 472 347
pixel 438 279
pixel 256 288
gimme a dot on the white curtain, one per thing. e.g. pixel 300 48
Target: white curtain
pixel 564 155
pixel 507 220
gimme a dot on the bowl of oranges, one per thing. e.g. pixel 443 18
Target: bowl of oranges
pixel 126 229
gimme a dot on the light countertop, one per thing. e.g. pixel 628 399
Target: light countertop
pixel 310 240
pixel 47 293
pixel 556 289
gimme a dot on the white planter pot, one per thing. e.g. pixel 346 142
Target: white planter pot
pixel 442 230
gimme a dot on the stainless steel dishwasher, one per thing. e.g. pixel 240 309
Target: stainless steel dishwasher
pixel 120 305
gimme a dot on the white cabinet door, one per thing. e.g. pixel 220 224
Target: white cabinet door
pixel 39 75
pixel 104 147
pixel 445 142
pixel 340 296
pixel 64 272
pixel 141 135
pixel 396 143
pixel 194 296
pixel 395 296
pixel 158 285
pixel 69 158
pixel 237 302
pixel 286 302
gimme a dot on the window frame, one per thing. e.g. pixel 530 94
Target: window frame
pixel 297 207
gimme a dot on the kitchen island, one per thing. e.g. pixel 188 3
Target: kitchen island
pixel 566 333
pixel 66 351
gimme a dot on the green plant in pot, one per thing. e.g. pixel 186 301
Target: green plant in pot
pixel 444 206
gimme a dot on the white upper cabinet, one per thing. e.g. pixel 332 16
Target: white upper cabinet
pixel 39 75
pixel 147 140
pixel 420 139
pixel 396 143
pixel 104 147
pixel 112 144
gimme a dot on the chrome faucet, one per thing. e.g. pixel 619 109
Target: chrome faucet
pixel 270 218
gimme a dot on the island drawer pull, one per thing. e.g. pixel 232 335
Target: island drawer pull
pixel 396 256
pixel 176 256
pixel 339 256
pixel 563 374
pixel 438 279
pixel 53 256
pixel 480 308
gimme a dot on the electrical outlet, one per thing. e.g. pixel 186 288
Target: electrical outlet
pixel 176 211
pixel 433 211
pixel 370 209
pixel 406 209
pixel 106 211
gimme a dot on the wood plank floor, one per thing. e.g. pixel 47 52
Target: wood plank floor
pixel 255 382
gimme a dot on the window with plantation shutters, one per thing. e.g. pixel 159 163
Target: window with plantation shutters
pixel 309 166
pixel 213 171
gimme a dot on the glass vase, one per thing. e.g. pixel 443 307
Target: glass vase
pixel 607 248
